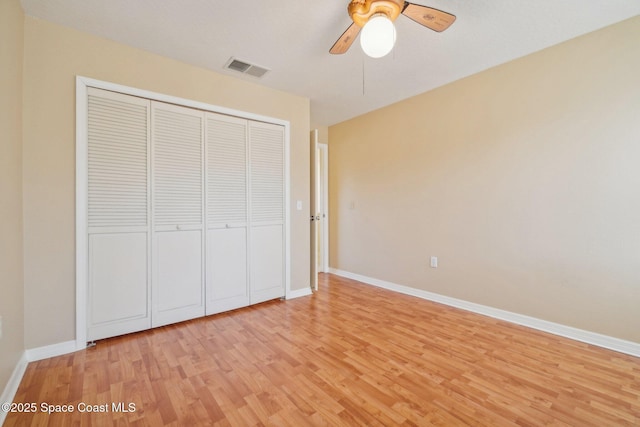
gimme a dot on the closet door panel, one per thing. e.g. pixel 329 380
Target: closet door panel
pixel 227 284
pixel 267 172
pixel 118 294
pixel 226 170
pixel 178 213
pixel 178 288
pixel 267 266
pixel 177 134
pixel 118 137
pixel 227 205
pixel 267 260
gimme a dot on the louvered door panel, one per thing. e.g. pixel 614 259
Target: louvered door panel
pixel 267 172
pixel 226 170
pixel 118 214
pixel 227 275
pixel 117 159
pixel 267 269
pixel 177 204
pixel 177 165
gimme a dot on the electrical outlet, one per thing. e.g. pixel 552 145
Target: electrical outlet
pixel 0 327
pixel 434 262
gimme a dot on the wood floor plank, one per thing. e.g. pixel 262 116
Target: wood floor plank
pixel 350 354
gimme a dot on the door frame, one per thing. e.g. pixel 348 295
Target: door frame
pixel 82 244
pixel 313 209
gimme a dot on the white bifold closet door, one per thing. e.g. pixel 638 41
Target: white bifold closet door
pixel 267 224
pixel 245 212
pixel 178 213
pixel 118 297
pixel 186 213
pixel 227 213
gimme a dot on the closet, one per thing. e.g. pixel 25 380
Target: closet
pixel 185 213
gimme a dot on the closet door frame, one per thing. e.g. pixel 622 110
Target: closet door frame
pixel 82 245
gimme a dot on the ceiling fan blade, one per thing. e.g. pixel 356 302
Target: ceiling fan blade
pixel 434 19
pixel 346 39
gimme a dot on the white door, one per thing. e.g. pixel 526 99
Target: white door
pixel 267 221
pixel 227 217
pixel 118 292
pixel 322 197
pixel 314 209
pixel 178 213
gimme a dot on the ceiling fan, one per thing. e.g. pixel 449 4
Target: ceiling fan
pixel 375 19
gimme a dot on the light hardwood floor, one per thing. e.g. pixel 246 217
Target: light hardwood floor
pixel 350 354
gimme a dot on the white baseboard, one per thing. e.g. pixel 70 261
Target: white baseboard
pixel 52 350
pixel 605 341
pixel 11 388
pixel 297 293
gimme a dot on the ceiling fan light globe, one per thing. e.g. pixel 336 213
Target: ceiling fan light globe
pixel 378 36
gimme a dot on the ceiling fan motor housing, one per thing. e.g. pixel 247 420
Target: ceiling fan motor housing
pixel 361 10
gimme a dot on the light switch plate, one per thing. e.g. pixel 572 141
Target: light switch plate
pixel 434 262
pixel 299 205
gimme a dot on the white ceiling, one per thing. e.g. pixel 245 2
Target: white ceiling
pixel 292 38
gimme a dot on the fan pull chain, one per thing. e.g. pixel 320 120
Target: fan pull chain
pixel 363 76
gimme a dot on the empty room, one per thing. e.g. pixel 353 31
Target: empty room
pixel 336 213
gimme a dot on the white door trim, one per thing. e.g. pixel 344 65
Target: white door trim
pixel 313 208
pixel 82 85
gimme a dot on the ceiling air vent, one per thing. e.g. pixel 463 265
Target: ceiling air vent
pixel 245 68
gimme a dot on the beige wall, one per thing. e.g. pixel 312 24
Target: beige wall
pixel 54 55
pixel 11 276
pixel 524 180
